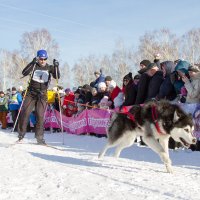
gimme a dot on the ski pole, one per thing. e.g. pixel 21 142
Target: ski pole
pixel 59 102
pixel 23 99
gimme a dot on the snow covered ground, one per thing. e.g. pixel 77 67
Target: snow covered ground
pixel 34 172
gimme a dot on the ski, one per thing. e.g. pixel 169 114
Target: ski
pixel 47 145
pixel 31 143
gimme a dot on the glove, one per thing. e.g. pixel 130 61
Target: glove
pixel 55 63
pixel 34 60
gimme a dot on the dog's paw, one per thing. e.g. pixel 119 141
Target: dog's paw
pixel 169 169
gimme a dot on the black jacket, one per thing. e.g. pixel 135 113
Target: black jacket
pixel 154 85
pixel 142 88
pixel 130 94
pixel 167 90
pixel 41 75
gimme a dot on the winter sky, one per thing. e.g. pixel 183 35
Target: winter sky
pixel 84 27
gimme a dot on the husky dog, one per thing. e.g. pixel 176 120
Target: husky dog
pixel 156 122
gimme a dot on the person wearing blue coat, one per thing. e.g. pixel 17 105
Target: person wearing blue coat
pixel 14 104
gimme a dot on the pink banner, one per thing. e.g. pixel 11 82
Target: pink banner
pixel 88 121
pixel 98 120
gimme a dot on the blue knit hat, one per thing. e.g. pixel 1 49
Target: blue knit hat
pixel 42 54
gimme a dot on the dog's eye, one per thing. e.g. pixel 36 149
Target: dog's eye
pixel 186 129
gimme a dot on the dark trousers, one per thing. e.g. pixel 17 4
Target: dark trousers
pixel 3 119
pixel 39 103
pixel 14 114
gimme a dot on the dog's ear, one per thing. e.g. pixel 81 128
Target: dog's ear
pixel 176 117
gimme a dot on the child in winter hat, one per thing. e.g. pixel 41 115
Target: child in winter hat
pixel 105 103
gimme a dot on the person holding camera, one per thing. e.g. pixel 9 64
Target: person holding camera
pixel 36 95
pixel 180 71
pixel 192 85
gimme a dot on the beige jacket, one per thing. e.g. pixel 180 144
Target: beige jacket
pixel 193 89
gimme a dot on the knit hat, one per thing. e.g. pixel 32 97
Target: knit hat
pixel 145 63
pixel 128 76
pixel 108 78
pixel 67 90
pixel 42 53
pixel 193 69
pixel 150 66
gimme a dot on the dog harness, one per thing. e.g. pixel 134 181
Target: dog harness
pixel 155 119
pixel 129 115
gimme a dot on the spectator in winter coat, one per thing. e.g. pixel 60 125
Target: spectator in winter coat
pixel 3 109
pixel 167 90
pixel 176 77
pixel 155 81
pixel 14 104
pixel 86 91
pixel 192 85
pixel 130 90
pixel 105 103
pixel 99 78
pixel 68 104
pixel 143 83
pixel 96 97
pixel 116 94
pixel 102 90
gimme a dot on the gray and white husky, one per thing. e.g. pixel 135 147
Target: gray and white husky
pixel 156 122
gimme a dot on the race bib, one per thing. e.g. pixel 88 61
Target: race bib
pixel 41 76
pixel 1 100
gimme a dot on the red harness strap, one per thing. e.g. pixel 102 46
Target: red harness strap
pixel 155 119
pixel 130 116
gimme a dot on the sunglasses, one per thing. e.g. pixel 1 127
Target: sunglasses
pixel 42 59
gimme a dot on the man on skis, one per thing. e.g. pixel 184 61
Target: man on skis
pixel 36 97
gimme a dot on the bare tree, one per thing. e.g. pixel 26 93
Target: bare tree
pixel 6 65
pixel 19 63
pixel 122 62
pixel 31 42
pixel 116 66
pixel 84 70
pixel 159 41
pixel 190 46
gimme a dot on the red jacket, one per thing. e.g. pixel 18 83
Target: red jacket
pixel 115 93
pixel 68 98
pixel 70 106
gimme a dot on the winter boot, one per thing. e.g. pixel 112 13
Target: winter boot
pixel 41 142
pixel 20 139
